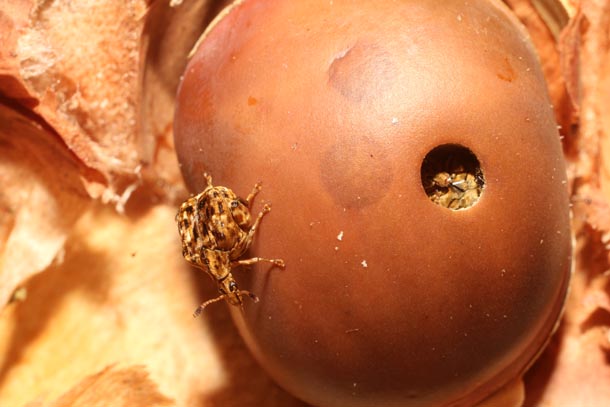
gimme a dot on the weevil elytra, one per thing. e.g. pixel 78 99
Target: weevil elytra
pixel 455 190
pixel 216 230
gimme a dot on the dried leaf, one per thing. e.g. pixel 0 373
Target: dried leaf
pixel 569 51
pixel 575 368
pixel 125 295
pixel 13 19
pixel 168 35
pixel 41 198
pixel 75 64
pixel 545 38
pixel 128 387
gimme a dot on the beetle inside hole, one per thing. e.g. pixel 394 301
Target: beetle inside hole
pixel 451 176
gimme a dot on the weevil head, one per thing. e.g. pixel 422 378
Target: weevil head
pixel 228 288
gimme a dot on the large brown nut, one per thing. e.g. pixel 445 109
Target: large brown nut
pixel 418 189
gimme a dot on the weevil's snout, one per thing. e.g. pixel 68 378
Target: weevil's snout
pixel 235 299
pixel 228 287
pixel 234 296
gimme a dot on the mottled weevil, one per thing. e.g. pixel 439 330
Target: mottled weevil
pixel 216 230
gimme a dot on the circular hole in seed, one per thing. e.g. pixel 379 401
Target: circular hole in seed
pixel 451 176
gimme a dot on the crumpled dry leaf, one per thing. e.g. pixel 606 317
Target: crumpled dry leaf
pixel 41 198
pixel 545 37
pixel 575 368
pixel 568 45
pixel 83 100
pixel 73 135
pixel 129 301
pixel 75 64
pixel 168 35
pixel 129 387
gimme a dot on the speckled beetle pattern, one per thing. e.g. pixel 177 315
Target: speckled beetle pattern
pixel 216 230
pixel 456 190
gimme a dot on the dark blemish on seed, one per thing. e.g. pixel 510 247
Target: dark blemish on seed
pixel 363 72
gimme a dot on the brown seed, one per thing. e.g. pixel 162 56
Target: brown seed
pixel 453 304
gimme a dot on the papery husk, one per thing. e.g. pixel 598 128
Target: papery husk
pixel 111 300
pixel 95 81
pixel 41 197
pixel 122 296
pixel 75 65
pixel 575 368
pixel 169 33
pixel 545 31
pixel 130 387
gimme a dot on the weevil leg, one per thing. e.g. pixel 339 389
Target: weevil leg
pixel 200 308
pixel 266 210
pixel 208 178
pixel 253 260
pixel 250 198
pixel 246 241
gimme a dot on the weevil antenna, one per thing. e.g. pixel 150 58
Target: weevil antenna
pixel 241 294
pixel 200 308
pixel 253 297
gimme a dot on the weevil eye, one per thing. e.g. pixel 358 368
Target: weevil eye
pixel 234 204
pixel 232 286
